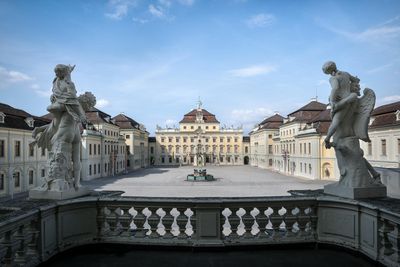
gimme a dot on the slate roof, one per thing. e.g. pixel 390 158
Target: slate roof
pixel 385 115
pixel 308 112
pixel 15 118
pixel 125 122
pixel 246 139
pixel 191 117
pixel 95 115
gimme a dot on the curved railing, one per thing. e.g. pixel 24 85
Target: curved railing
pixel 33 231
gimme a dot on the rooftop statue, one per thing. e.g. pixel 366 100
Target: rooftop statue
pixel 62 136
pixel 350 118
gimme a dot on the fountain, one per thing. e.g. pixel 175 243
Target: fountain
pixel 199 173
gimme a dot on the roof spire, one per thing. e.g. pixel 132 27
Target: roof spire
pixel 199 103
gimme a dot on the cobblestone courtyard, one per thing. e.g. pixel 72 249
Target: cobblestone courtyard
pixel 232 181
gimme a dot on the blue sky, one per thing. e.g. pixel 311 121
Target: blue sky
pixel 153 59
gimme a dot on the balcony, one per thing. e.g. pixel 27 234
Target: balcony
pixel 33 231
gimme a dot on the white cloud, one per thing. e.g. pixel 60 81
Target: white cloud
pixel 379 68
pixel 165 3
pixel 322 82
pixel 140 20
pixel 101 103
pixel 156 11
pixel 35 86
pixel 250 117
pixel 386 31
pixel 119 8
pixel 392 98
pixel 260 20
pixel 13 76
pixel 44 93
pixel 252 71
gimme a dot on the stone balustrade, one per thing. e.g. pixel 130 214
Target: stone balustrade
pixel 33 231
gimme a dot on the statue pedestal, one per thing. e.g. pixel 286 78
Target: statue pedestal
pixel 39 193
pixel 373 191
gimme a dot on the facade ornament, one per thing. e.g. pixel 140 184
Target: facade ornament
pixel 350 117
pixel 62 138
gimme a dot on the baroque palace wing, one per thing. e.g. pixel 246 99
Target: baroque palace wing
pixel 363 112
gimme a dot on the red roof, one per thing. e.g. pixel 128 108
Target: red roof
pixel 385 115
pixel 125 122
pixel 191 117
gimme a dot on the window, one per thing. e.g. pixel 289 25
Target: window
pixel 17 148
pixel 17 179
pixel 228 139
pixel 309 168
pixel 2 148
pixel 90 149
pixel 162 160
pixel 369 148
pixel 269 149
pixel 43 151
pixel 192 127
pixel 246 149
pixel 2 181
pixel 105 167
pixel 98 168
pixel 162 149
pixel 305 150
pixel 214 139
pixel 214 127
pixel 221 139
pixel 301 167
pixel 31 151
pixel 398 146
pixel 270 136
pixel 30 178
pixel 98 149
pixel 90 169
pixel 192 140
pixel 184 139
pixel 170 159
pixel 206 127
pixel 309 148
pixel 184 127
pixel 177 139
pixel 162 139
pixel 383 144
pixel 43 172
pixel 170 139
pixel 127 136
pixel 236 139
pixel 94 149
pixel 152 150
pixel 206 140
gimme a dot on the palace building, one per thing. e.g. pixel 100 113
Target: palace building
pixel 199 132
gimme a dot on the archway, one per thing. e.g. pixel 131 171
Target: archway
pixel 327 171
pixel 246 160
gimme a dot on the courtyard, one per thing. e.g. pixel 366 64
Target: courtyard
pixel 230 181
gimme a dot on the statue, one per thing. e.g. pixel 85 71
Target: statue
pixel 350 117
pixel 62 136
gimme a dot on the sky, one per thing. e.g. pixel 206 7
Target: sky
pixel 153 59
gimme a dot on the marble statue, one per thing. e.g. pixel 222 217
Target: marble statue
pixel 62 136
pixel 350 118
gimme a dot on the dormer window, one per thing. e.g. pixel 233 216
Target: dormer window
pixel 2 116
pixel 30 121
pixel 107 119
pixel 398 115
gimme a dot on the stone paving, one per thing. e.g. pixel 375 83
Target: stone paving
pixel 231 181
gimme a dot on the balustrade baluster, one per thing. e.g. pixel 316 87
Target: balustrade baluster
pixel 302 220
pixel 248 221
pixel 153 221
pixel 167 221
pixel 20 253
pixel 182 220
pixel 290 219
pixel 191 223
pixel 140 221
pixel 125 220
pixel 234 221
pixel 276 221
pixel 394 239
pixel 262 221
pixel 386 245
pixel 33 233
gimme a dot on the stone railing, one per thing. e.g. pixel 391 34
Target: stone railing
pixel 31 232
